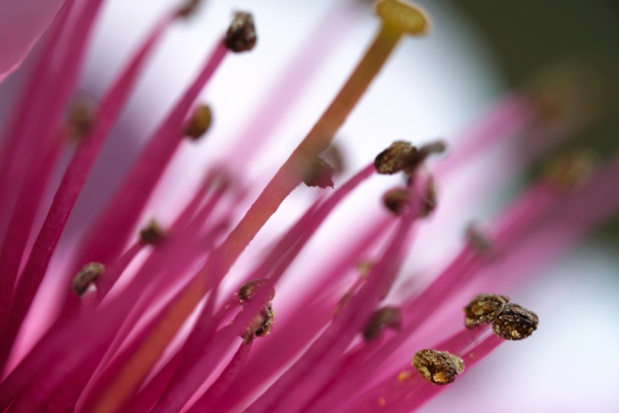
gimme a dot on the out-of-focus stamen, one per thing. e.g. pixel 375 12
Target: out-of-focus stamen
pixel 390 317
pixel 199 123
pixel 87 277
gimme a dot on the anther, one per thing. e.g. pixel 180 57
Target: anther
pixel 152 233
pixel 248 290
pixel 86 277
pixel 438 367
pixel 397 200
pixel 386 317
pixel 199 122
pixel 241 35
pixel 80 118
pixel 515 323
pixel 318 173
pixel 396 158
pixel 188 9
pixel 570 170
pixel 484 309
pixel 262 324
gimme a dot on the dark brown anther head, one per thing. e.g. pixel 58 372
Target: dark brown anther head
pixel 199 122
pixel 398 157
pixel 241 35
pixel 484 309
pixel 318 173
pixel 386 317
pixel 152 233
pixel 188 9
pixel 515 323
pixel 248 290
pixel 86 277
pixel 438 367
pixel 262 324
pixel 397 200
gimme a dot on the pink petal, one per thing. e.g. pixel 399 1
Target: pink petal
pixel 21 24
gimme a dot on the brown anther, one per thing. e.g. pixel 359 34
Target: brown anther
pixel 188 9
pixel 80 118
pixel 398 157
pixel 248 290
pixel 397 200
pixel 152 233
pixel 438 367
pixel 262 324
pixel 241 35
pixel 86 277
pixel 386 317
pixel 199 122
pixel 319 173
pixel 570 170
pixel 515 323
pixel 484 309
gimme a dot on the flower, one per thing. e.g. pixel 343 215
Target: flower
pixel 165 319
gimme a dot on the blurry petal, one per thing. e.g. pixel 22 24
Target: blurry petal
pixel 21 24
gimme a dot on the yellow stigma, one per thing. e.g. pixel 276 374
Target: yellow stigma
pixel 402 16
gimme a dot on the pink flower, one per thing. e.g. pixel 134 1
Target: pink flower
pixel 228 305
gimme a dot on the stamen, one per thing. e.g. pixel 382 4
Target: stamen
pixel 87 277
pixel 319 173
pixel 484 309
pixel 438 367
pixel 570 170
pixel 390 317
pixel 152 233
pixel 515 323
pixel 398 18
pixel 199 122
pixel 241 36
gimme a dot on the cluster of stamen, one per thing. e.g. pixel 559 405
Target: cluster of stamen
pixel 509 321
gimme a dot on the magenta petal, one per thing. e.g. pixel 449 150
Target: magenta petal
pixel 21 25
